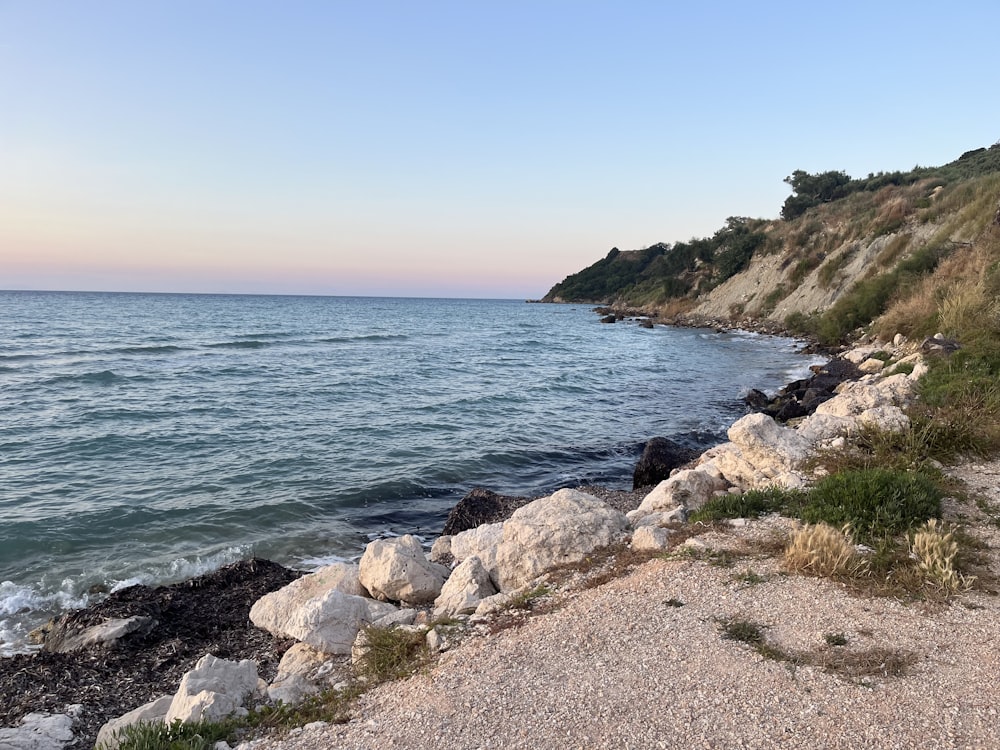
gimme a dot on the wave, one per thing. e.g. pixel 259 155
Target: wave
pixel 241 344
pixel 365 337
pixel 153 349
pixel 103 377
pixel 25 607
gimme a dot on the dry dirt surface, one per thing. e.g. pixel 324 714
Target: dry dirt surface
pixel 642 662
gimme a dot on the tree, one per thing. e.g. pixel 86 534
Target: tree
pixel 812 189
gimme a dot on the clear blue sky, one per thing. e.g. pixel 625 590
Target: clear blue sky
pixel 447 148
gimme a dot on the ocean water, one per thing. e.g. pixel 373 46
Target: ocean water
pixel 149 438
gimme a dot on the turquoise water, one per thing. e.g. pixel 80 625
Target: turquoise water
pixel 147 438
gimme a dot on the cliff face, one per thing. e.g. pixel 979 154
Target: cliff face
pixel 863 243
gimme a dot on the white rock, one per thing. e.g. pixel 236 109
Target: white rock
pixel 562 528
pixel 272 611
pixel 898 340
pixel 889 417
pixel 468 584
pixel 441 549
pixel 332 621
pixel 481 542
pixel 919 370
pixel 38 731
pixel 818 427
pixel 397 570
pixel 149 713
pixel 859 354
pixel 871 365
pixel 640 518
pixel 300 673
pixel 650 538
pixel 435 642
pixel 492 604
pixel 767 445
pixel 854 399
pixel 689 488
pixel 213 690
pixel 399 617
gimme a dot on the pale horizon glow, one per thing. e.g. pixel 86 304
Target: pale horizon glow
pixel 446 149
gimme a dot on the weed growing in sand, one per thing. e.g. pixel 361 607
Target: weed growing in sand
pixel 391 653
pixel 822 550
pixel 877 661
pixel 749 578
pixel 751 633
pixel 835 639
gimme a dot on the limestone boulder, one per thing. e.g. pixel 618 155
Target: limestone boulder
pixel 468 584
pixel 214 689
pixel 768 446
pixel 398 570
pixel 481 542
pixel 303 671
pixel 651 538
pixel 824 427
pixel 854 399
pixel 154 712
pixel 38 731
pixel 563 528
pixel 272 611
pixel 332 621
pixel 689 489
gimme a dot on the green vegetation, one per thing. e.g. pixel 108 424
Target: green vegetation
pixel 177 736
pixel 664 271
pixel 875 503
pixel 752 504
pixel 828 219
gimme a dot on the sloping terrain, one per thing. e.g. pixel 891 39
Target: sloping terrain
pixel 877 239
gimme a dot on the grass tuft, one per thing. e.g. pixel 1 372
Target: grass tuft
pixel 822 550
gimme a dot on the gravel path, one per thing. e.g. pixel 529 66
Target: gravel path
pixel 626 665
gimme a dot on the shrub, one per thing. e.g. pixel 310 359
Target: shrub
pixel 875 502
pixel 822 550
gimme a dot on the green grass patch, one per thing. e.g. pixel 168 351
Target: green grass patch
pixel 876 503
pixel 752 504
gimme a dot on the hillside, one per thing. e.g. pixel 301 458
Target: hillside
pixel 843 255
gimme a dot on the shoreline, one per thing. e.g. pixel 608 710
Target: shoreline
pixel 259 644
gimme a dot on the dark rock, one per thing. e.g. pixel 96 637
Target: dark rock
pixel 801 397
pixel 645 323
pixel 481 506
pixel 659 458
pixel 609 319
pixel 756 400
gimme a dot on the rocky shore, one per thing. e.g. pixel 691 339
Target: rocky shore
pixel 305 629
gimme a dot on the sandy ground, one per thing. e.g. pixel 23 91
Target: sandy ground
pixel 641 662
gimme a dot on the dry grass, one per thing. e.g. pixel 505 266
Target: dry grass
pixel 935 549
pixel 822 550
pixel 877 661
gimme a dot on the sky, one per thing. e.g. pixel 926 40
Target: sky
pixel 447 149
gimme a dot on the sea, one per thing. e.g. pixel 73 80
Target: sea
pixel 149 438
